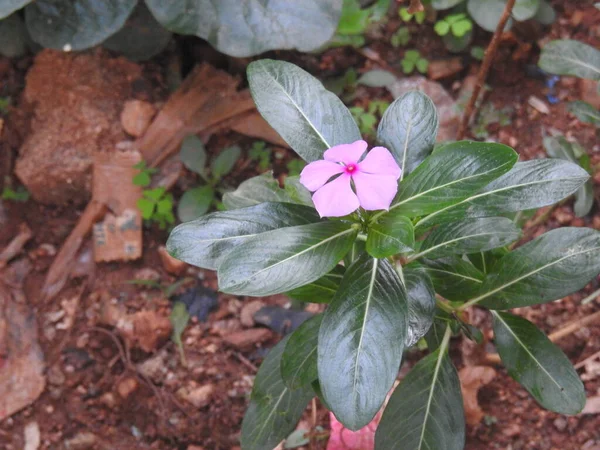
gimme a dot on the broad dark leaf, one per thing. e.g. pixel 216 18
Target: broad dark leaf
pixel 421 304
pixel 426 409
pixel 321 290
pixel 75 24
pixel 450 175
pixel 14 36
pixel 553 265
pixel 195 203
pixel 204 242
pixel 525 9
pixel 539 365
pixel 193 155
pixel 274 408
pixel 468 236
pixel 307 116
pixel 256 190
pixel 408 129
pixel 281 260
pixel 244 29
pixel 377 78
pixel 299 359
pixel 444 4
pixel 487 13
pixel 569 57
pixel 391 234
pixel 454 278
pixel 585 112
pixel 224 162
pixel 361 341
pixel 546 15
pixel 7 7
pixel 528 185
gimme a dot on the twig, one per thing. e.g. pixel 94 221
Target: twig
pixel 583 362
pixel 590 298
pixel 16 245
pixel 484 69
pixel 245 361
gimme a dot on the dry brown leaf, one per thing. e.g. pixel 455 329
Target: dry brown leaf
pixel 472 378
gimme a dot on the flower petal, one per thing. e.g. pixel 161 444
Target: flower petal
pixel 336 199
pixel 346 153
pixel 380 161
pixel 375 191
pixel 317 173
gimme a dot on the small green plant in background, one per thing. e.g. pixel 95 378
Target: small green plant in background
pixel 489 115
pixel 413 60
pixel 197 201
pixel 369 117
pixel 456 24
pixel 355 21
pixel 4 104
pixel 478 53
pixel 10 193
pixel 295 166
pixel 179 319
pixel 260 154
pixel 156 205
pixel 401 37
pixel 407 17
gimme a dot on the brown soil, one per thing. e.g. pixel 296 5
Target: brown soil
pixel 95 392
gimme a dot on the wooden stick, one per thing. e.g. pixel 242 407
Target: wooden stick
pixel 484 69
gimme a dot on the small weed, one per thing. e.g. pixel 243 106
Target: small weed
pixel 367 119
pixel 456 24
pixel 413 60
pixel 407 17
pixel 4 104
pixel 401 37
pixel 156 205
pixel 261 154
pixel 295 166
pixel 19 194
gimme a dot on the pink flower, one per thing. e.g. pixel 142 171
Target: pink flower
pixel 375 179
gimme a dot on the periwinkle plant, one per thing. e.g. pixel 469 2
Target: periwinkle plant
pixel 406 237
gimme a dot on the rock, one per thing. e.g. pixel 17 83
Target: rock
pixel 146 274
pixel 155 368
pixel 81 441
pixel 32 436
pixel 136 117
pixel 108 399
pixel 248 311
pixel 560 423
pixel 511 430
pixel 444 68
pixel 75 100
pixel 195 447
pixel 448 112
pixel 538 104
pixel 199 397
pixel 126 387
pixel 55 375
pixel 171 265
pixel 247 338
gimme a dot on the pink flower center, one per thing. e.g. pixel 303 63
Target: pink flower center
pixel 350 169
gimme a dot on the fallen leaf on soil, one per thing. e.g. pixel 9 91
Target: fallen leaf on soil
pixel 343 439
pixel 472 378
pixel 136 117
pixel 247 338
pixel 444 68
pixel 592 406
pixel 172 265
pixel 21 359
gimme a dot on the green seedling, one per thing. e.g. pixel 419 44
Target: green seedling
pixel 413 60
pixel 295 166
pixel 456 24
pixel 401 37
pixel 179 319
pixel 407 17
pixel 368 118
pixel 260 154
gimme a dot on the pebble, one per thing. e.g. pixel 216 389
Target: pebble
pixel 155 368
pixel 127 386
pixel 32 436
pixel 199 397
pixel 560 423
pixel 511 430
pixel 146 274
pixel 81 441
pixel 248 311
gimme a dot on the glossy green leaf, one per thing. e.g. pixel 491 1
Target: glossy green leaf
pixel 321 290
pixel 281 260
pixel 7 7
pixel 553 265
pixel 204 242
pixel 450 175
pixel 408 129
pixel 454 278
pixel 141 38
pixel 546 15
pixel 468 236
pixel 193 155
pixel 307 116
pixel 569 57
pixel 585 112
pixel 14 36
pixel 525 9
pixel 297 192
pixel 487 13
pixel 75 24
pixel 426 409
pixel 244 29
pixel 539 365
pixel 361 341
pixel 299 359
pixel 260 189
pixel 224 162
pixel 528 185
pixel 274 408
pixel 195 203
pixel 421 304
pixel 391 234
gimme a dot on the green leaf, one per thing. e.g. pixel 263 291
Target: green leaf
pixel 142 179
pixel 204 242
pixel 422 65
pixel 487 13
pixel 539 365
pixel 179 319
pixel 75 24
pixel 281 260
pixel 441 27
pixel 553 265
pixel 361 341
pixel 7 7
pixel 244 29
pixel 462 27
pixel 299 359
pixel 14 37
pixel 585 112
pixel 193 155
pixel 421 304
pixel 195 203
pixel 444 4
pixel 546 15
pixel 525 9
pixel 321 290
pixel 260 189
pixel 468 236
pixel 407 66
pixel 408 129
pixel 454 278
pixel 297 192
pixel 452 174
pixel 164 206
pixel 354 20
pixel 528 185
pixel 377 78
pixel 224 162
pixel 391 234
pixel 426 409
pixel 274 408
pixel 146 207
pixel 154 194
pixel 307 116
pixel 568 57
pixel 141 38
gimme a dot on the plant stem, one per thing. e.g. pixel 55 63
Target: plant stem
pixel 590 297
pixel 444 306
pixel 484 69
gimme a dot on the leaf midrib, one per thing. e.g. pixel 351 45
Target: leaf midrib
pixel 454 274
